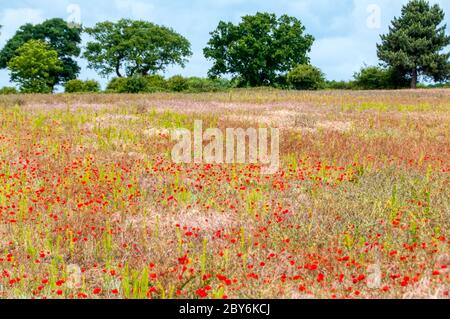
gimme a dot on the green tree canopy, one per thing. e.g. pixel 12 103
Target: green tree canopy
pixel 34 66
pixel 130 47
pixel 415 42
pixel 61 37
pixel 259 49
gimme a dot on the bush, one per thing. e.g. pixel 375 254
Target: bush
pixel 117 85
pixel 306 77
pixel 177 83
pixel 281 82
pixel 74 86
pixel 91 86
pixel 8 90
pixel 137 84
pixel 201 85
pixel 442 85
pixel 198 85
pixel 79 86
pixel 156 83
pixel 223 84
pixel 340 85
pixel 377 78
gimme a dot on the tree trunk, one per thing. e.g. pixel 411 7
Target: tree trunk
pixel 118 70
pixel 414 79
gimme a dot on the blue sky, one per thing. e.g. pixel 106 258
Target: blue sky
pixel 346 31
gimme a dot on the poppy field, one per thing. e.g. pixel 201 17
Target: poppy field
pixel 92 206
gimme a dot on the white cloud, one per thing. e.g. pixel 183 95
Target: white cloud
pixel 12 19
pixel 136 9
pixel 343 55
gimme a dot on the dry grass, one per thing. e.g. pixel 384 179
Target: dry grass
pixel 92 206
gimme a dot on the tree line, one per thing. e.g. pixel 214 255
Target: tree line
pixel 261 50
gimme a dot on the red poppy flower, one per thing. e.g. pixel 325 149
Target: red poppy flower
pixel 201 293
pixel 320 277
pixel 96 291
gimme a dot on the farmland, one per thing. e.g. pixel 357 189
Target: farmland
pixel 92 206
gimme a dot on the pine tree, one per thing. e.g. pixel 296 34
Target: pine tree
pixel 415 43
